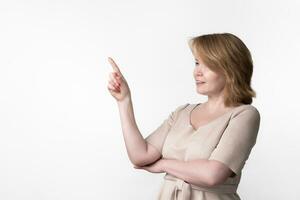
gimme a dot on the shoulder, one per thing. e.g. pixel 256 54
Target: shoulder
pixel 248 111
pixel 182 106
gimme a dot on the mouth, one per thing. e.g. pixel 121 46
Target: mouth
pixel 199 82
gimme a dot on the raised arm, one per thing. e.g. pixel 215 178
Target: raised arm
pixel 139 151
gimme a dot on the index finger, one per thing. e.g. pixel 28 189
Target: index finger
pixel 113 64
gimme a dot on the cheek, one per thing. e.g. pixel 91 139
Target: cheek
pixel 219 84
pixel 215 82
pixel 211 79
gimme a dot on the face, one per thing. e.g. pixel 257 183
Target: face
pixel 207 81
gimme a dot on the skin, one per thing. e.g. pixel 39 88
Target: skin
pixel 144 156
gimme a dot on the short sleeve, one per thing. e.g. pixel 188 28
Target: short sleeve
pixel 237 140
pixel 158 136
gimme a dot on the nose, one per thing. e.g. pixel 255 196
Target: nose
pixel 198 72
pixel 198 68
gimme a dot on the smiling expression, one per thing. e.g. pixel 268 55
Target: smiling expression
pixel 207 81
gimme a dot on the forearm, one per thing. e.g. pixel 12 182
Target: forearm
pixel 135 144
pixel 195 171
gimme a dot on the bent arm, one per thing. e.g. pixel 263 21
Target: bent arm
pixel 139 151
pixel 200 172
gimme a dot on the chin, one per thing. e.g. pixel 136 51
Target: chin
pixel 200 92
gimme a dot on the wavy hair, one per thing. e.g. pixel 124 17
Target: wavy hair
pixel 227 54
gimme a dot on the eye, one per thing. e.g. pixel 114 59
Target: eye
pixel 196 63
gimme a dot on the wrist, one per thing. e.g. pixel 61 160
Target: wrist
pixel 125 101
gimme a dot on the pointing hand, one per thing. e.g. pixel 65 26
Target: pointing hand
pixel 117 85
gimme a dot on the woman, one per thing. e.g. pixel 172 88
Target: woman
pixel 201 147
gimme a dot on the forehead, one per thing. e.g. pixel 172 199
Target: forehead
pixel 197 57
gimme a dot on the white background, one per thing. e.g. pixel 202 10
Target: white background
pixel 60 131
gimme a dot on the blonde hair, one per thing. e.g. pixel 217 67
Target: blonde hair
pixel 225 53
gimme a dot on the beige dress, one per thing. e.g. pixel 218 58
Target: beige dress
pixel 228 139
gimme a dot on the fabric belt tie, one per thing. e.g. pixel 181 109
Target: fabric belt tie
pixel 186 188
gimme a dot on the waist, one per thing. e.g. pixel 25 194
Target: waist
pixel 221 188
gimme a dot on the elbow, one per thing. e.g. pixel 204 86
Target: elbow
pixel 211 181
pixel 138 158
pixel 217 179
pixel 208 181
pixel 138 163
pixel 142 161
pixel 217 175
pixel 213 174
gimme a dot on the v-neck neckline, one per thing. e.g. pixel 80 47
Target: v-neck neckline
pixel 211 121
